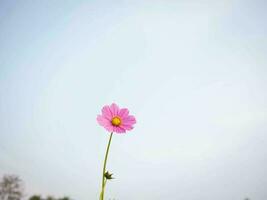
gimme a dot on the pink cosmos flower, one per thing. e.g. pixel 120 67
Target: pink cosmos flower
pixel 114 119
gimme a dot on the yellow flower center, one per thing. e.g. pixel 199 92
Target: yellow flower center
pixel 116 121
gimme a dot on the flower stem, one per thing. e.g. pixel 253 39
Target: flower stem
pixel 104 169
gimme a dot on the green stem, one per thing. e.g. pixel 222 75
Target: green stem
pixel 104 169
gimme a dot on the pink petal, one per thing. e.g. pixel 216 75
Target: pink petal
pixel 102 120
pixel 123 113
pixel 109 128
pixel 106 112
pixel 129 120
pixel 126 127
pixel 119 129
pixel 114 109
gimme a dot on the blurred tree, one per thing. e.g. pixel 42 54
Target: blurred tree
pixel 50 198
pixel 38 197
pixel 11 188
pixel 35 197
pixel 64 198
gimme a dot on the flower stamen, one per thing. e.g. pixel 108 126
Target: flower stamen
pixel 116 121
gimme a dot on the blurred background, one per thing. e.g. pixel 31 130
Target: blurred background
pixel 192 72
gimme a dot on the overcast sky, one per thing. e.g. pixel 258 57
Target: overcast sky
pixel 194 73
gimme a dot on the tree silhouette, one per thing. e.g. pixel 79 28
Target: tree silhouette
pixel 38 197
pixel 35 197
pixel 64 198
pixel 11 188
pixel 50 198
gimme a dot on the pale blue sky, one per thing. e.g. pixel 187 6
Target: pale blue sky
pixel 192 72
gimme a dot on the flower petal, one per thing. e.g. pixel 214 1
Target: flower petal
pixel 114 109
pixel 109 128
pixel 106 112
pixel 129 120
pixel 126 127
pixel 119 129
pixel 102 120
pixel 123 113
